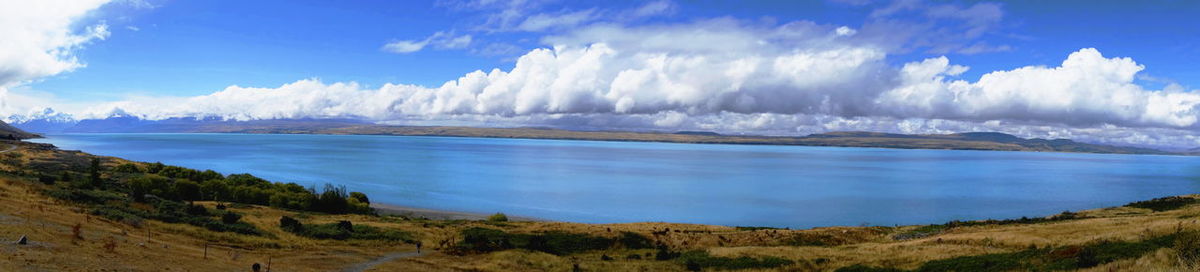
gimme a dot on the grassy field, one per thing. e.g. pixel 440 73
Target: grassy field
pixel 65 235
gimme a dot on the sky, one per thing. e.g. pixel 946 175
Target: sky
pixel 1114 72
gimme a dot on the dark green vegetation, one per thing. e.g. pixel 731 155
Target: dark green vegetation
pixel 1056 258
pixel 342 230
pixel 482 240
pixel 1163 204
pixel 697 260
pixel 131 192
pixel 183 184
pixel 927 230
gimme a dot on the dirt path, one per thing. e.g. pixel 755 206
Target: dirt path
pixel 11 147
pixel 381 260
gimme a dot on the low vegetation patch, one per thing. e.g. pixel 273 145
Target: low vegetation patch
pixel 698 260
pixel 1046 259
pixel 929 230
pixel 133 192
pixel 742 228
pixel 1163 204
pixel 482 240
pixel 342 230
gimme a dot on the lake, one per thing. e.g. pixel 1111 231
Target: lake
pixel 735 185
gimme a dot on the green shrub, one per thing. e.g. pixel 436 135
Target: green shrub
pixel 361 197
pixel 864 268
pixel 1187 245
pixel 701 259
pixel 230 218
pixel 498 217
pixel 1163 204
pixel 481 240
pixel 46 179
pixel 665 253
pixel 342 230
pixel 197 210
pixel 634 241
pixel 290 225
pixel 127 168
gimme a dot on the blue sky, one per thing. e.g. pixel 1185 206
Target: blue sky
pixel 188 48
pixel 1099 71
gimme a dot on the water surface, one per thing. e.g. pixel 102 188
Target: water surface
pixel 737 185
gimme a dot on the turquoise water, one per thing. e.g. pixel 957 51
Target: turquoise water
pixel 737 185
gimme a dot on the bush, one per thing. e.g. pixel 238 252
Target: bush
pixel 863 268
pixel 361 197
pixel 634 241
pixel 342 230
pixel 230 218
pixel 127 168
pixel 700 259
pixel 290 225
pixel 482 240
pixel 197 210
pixel 46 179
pixel 332 200
pixel 1163 204
pixel 664 254
pixel 1187 245
pixel 498 217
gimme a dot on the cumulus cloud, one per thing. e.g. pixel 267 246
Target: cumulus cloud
pixel 1087 89
pixel 734 76
pixel 666 78
pixel 38 38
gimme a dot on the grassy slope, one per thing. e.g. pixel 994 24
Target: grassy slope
pixel 23 211
pixel 6 129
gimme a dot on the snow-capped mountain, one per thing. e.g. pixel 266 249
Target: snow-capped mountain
pixel 45 120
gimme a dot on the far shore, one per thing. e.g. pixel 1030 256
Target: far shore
pixel 389 209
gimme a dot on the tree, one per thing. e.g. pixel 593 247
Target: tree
pixel 361 197
pixel 94 174
pixel 332 200
pixel 215 189
pixel 187 190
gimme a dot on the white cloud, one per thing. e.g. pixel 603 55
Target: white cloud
pixel 845 31
pixel 734 77
pixel 440 40
pixel 1087 89
pixel 655 8
pixel 546 21
pixel 38 38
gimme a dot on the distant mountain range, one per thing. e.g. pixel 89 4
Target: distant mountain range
pixel 52 122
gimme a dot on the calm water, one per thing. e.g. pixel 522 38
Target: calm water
pixel 740 185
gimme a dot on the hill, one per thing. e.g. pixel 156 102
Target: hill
pixel 10 132
pixel 958 141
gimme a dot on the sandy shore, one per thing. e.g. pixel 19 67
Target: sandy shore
pixel 388 209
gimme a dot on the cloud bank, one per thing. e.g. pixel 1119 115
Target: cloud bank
pixel 729 76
